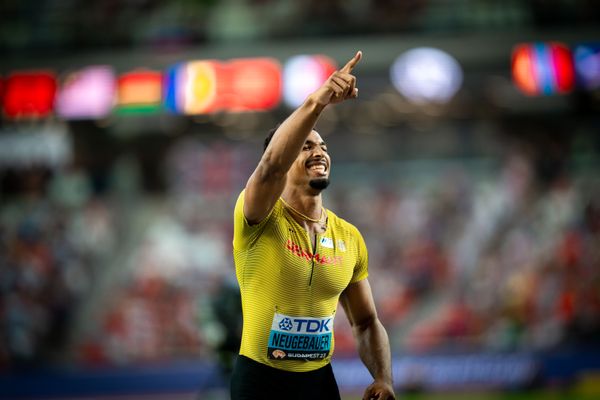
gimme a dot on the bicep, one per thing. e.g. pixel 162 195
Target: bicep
pixel 262 192
pixel 358 303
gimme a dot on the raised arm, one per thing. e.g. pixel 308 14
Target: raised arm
pixel 268 179
pixel 371 337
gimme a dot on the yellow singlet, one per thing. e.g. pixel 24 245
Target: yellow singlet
pixel 290 292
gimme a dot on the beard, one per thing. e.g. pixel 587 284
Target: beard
pixel 319 183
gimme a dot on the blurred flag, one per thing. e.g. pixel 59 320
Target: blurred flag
pixel 200 87
pixel 543 68
pixel 208 86
pixel 139 91
pixel 173 88
pixel 29 94
pixel 87 94
pixel 191 87
pixel 254 84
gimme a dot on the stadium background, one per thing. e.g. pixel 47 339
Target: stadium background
pixel 481 212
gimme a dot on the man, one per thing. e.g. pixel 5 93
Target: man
pixel 294 260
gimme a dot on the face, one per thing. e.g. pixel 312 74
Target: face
pixel 312 165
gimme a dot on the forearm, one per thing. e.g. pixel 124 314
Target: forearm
pixel 287 142
pixel 291 135
pixel 374 350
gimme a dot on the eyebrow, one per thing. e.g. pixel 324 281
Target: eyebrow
pixel 321 143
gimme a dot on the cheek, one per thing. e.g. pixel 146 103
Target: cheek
pixel 298 169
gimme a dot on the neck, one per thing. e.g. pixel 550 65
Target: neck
pixel 308 204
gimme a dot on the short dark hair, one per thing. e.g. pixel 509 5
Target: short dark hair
pixel 270 136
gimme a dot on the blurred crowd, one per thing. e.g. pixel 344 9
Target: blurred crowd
pixel 499 258
pixel 54 233
pixel 61 26
pixel 503 263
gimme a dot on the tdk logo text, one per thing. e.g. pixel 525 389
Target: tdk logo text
pixel 311 325
pixel 302 325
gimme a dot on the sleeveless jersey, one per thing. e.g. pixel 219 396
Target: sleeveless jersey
pixel 289 290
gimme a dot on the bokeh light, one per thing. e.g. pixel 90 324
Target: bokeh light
pixel 302 75
pixel 587 64
pixel 426 75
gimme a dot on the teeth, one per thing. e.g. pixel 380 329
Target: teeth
pixel 318 168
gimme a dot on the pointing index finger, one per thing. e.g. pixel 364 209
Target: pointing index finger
pixel 352 63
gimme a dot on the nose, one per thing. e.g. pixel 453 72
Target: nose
pixel 318 152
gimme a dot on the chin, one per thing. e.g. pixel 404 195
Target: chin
pixel 320 183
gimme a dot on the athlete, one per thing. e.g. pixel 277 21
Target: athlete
pixel 295 260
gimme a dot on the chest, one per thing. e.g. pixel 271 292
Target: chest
pixel 322 263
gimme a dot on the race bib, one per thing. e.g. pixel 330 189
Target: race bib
pixel 300 338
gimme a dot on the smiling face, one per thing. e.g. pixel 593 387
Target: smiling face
pixel 312 165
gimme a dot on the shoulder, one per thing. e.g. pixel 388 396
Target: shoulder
pixel 342 225
pixel 239 203
pixel 350 237
pixel 239 208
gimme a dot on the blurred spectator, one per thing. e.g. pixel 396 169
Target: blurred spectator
pixel 50 247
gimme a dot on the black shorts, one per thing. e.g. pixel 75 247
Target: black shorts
pixel 252 380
